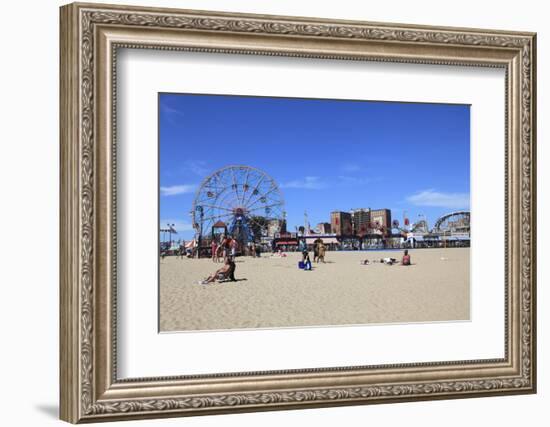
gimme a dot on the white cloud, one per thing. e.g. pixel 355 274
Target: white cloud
pixel 440 200
pixel 174 190
pixel 167 109
pixel 346 180
pixel 317 183
pixel 197 167
pixel 308 183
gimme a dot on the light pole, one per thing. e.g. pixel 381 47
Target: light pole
pixel 170 228
pixel 423 217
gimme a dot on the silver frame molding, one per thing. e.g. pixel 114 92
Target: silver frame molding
pixel 90 37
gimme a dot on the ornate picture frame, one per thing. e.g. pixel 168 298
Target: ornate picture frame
pixel 90 37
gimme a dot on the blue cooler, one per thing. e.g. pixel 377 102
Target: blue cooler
pixel 301 264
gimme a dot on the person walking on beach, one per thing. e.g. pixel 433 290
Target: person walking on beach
pixel 233 246
pixel 302 246
pixel 220 252
pixel 226 246
pixel 316 244
pixel 307 263
pixel 181 250
pixel 214 248
pixel 252 250
pixel 406 260
pixel 321 249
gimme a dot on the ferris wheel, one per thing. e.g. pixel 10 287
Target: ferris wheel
pixel 244 199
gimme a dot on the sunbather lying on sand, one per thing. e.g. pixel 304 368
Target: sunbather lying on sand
pixel 387 261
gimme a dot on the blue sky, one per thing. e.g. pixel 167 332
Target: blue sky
pixel 325 155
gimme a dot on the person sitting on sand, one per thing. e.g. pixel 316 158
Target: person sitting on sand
pixel 406 260
pixel 224 273
pixel 280 253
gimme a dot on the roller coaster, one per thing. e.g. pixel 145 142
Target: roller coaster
pixel 454 222
pixel 452 229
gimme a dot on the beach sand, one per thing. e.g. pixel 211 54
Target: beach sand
pixel 341 292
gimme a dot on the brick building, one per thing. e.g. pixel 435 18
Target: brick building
pixel 360 219
pixel 323 228
pixel 340 223
pixel 381 220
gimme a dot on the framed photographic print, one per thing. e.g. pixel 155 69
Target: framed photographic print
pixel 265 212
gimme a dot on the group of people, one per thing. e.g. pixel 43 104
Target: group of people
pixel 227 248
pixel 185 252
pixel 319 251
pixel 405 260
pixel 255 250
pixel 226 251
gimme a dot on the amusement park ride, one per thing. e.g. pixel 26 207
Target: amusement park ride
pixel 238 200
pixel 452 229
pixel 247 204
pixel 453 223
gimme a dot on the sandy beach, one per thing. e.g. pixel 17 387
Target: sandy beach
pixel 273 292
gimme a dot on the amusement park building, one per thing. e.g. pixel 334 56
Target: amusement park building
pixel 276 226
pixel 360 219
pixel 323 228
pixel 381 219
pixel 340 223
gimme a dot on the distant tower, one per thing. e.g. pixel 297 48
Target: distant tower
pixel 307 229
pixel 406 221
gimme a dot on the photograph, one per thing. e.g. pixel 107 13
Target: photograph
pixel 278 212
pixel 264 211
